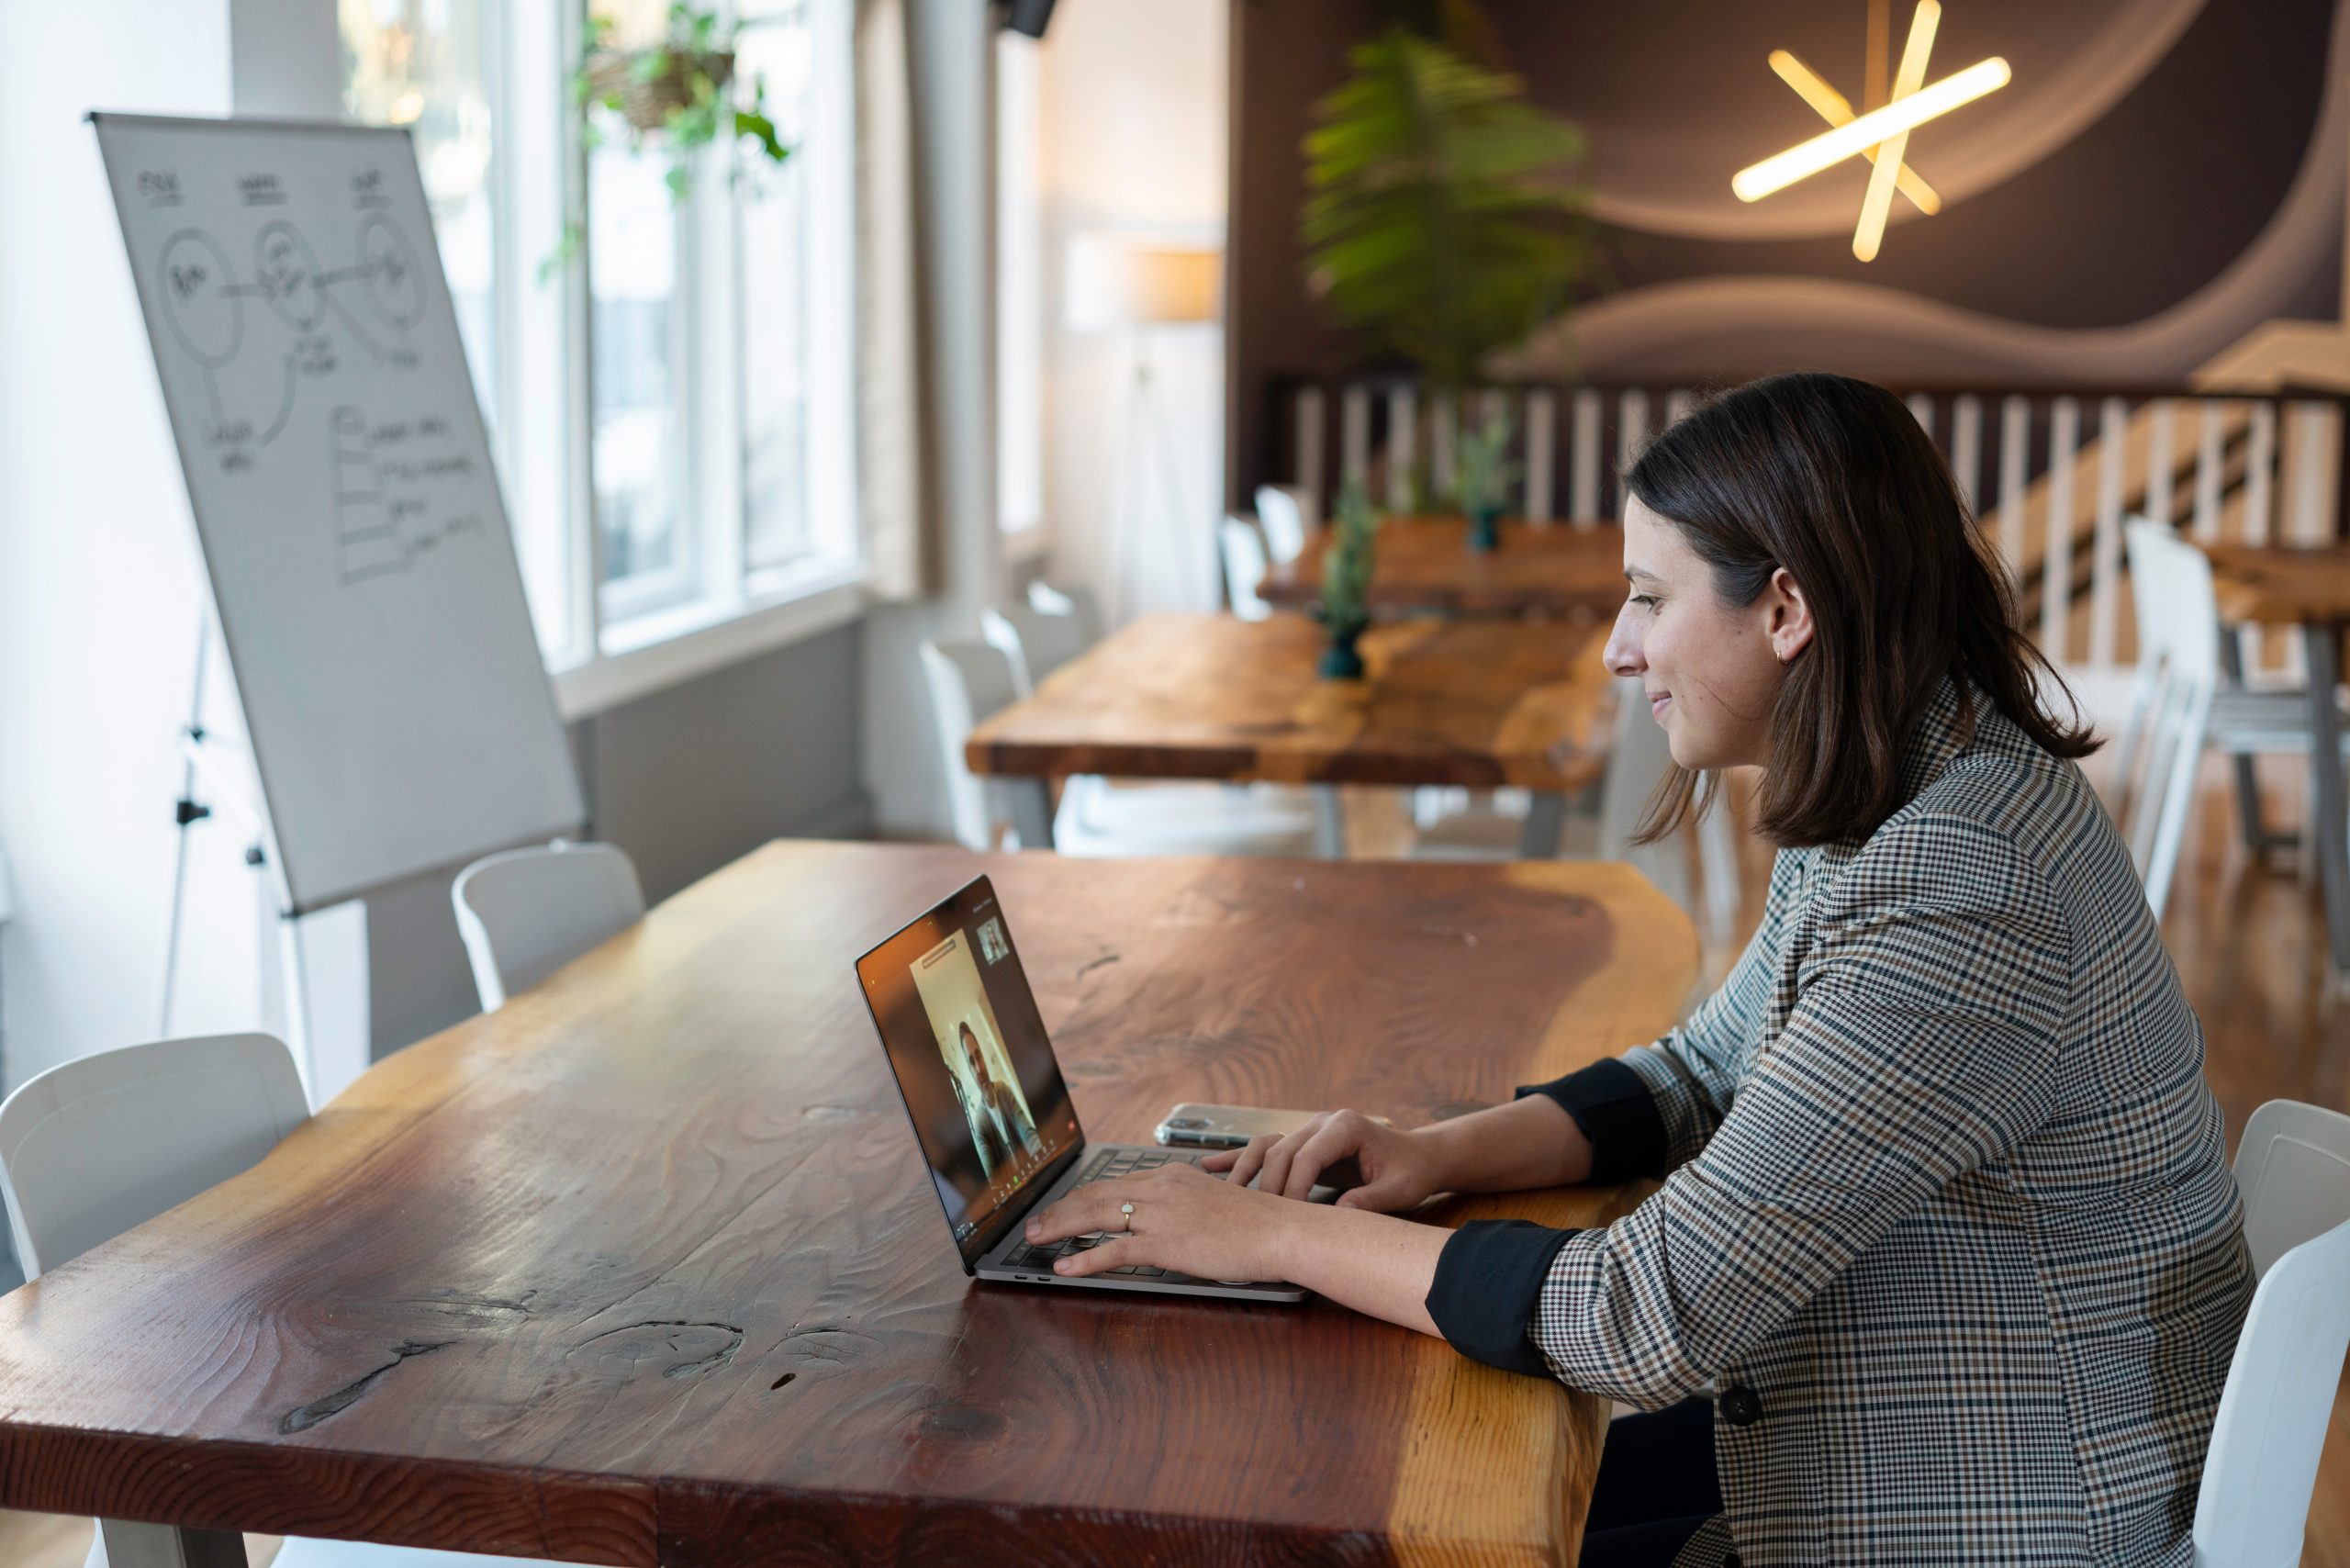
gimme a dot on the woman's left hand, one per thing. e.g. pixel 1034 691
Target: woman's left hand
pixel 1184 1220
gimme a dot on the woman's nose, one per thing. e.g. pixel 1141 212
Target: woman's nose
pixel 1623 652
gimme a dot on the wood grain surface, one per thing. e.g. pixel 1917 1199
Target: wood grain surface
pixel 1479 703
pixel 1564 570
pixel 2281 584
pixel 644 1267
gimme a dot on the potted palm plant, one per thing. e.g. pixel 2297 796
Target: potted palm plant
pixel 1444 222
pixel 1345 605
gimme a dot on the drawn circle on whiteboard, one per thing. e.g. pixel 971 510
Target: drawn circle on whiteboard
pixel 287 273
pixel 395 283
pixel 209 321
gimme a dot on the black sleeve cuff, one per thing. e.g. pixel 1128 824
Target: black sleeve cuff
pixel 1618 1114
pixel 1488 1284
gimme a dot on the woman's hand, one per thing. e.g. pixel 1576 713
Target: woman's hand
pixel 1385 1170
pixel 1183 1221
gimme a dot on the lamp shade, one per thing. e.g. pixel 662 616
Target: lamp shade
pixel 1129 280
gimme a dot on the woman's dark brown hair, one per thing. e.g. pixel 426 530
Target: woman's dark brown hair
pixel 1833 479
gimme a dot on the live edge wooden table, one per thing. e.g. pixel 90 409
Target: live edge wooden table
pixel 2308 587
pixel 646 1266
pixel 1479 704
pixel 1563 571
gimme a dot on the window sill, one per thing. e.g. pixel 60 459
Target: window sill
pixel 651 653
pixel 1024 545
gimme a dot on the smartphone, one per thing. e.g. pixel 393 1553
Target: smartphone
pixel 1230 1126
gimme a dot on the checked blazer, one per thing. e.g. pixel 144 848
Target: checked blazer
pixel 1946 1226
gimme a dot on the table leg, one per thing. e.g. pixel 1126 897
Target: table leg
pixel 2329 812
pixel 1031 801
pixel 1329 822
pixel 1546 820
pixel 130 1544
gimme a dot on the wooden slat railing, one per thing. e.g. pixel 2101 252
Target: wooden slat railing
pixel 2051 473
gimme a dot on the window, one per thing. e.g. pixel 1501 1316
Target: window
pixel 669 389
pixel 1020 288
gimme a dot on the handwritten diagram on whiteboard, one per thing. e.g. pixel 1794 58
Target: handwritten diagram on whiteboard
pixel 339 471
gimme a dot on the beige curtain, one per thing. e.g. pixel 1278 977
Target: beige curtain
pixel 896 484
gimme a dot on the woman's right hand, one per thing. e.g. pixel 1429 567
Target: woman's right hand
pixel 1383 1169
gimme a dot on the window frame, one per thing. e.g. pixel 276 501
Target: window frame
pixel 618 641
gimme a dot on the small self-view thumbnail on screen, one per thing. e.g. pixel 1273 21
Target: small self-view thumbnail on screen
pixel 990 1135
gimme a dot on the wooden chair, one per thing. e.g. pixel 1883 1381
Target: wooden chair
pixel 524 914
pixel 96 1146
pixel 2293 1167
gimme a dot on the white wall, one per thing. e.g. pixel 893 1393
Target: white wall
pixel 1134 130
pixel 953 78
pixel 99 592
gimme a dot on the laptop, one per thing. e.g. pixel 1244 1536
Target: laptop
pixel 989 1105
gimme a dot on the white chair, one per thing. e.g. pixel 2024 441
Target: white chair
pixel 1037 641
pixel 90 1148
pixel 2293 1167
pixel 969 681
pixel 1068 599
pixel 526 912
pixel 1640 755
pixel 1244 565
pixel 2162 742
pixel 1285 513
pixel 2243 721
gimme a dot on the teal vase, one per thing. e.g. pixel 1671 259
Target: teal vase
pixel 1342 660
pixel 1484 528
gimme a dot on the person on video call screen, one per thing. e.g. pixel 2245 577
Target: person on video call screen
pixel 1000 1125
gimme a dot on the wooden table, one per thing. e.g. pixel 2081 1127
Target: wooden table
pixel 2309 588
pixel 645 1268
pixel 1474 704
pixel 1561 570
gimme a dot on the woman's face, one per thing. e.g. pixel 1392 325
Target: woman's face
pixel 1712 670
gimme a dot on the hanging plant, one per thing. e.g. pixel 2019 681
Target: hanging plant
pixel 676 96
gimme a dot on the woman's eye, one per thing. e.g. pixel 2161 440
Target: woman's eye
pixel 1645 600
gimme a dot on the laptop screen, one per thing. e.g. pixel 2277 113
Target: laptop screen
pixel 968 1048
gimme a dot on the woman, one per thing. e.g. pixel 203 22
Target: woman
pixel 1947 1232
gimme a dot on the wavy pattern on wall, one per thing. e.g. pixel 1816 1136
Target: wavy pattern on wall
pixel 1726 324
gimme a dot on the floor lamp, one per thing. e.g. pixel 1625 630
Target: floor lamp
pixel 1141 285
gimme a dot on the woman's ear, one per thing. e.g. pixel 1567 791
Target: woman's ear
pixel 1789 623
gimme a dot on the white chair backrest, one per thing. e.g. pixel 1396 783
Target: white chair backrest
pixel 1037 641
pixel 2179 626
pixel 2293 1167
pixel 524 914
pixel 968 681
pixel 1286 514
pixel 1244 566
pixel 96 1146
pixel 1641 755
pixel 1068 599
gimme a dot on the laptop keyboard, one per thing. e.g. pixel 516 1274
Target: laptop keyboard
pixel 1106 1166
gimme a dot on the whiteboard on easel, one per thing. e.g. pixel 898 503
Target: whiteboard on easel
pixel 338 469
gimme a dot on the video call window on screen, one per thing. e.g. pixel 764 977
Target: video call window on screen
pixel 969 1050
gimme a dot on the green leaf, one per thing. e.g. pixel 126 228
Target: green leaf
pixel 755 126
pixel 679 178
pixel 1440 219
